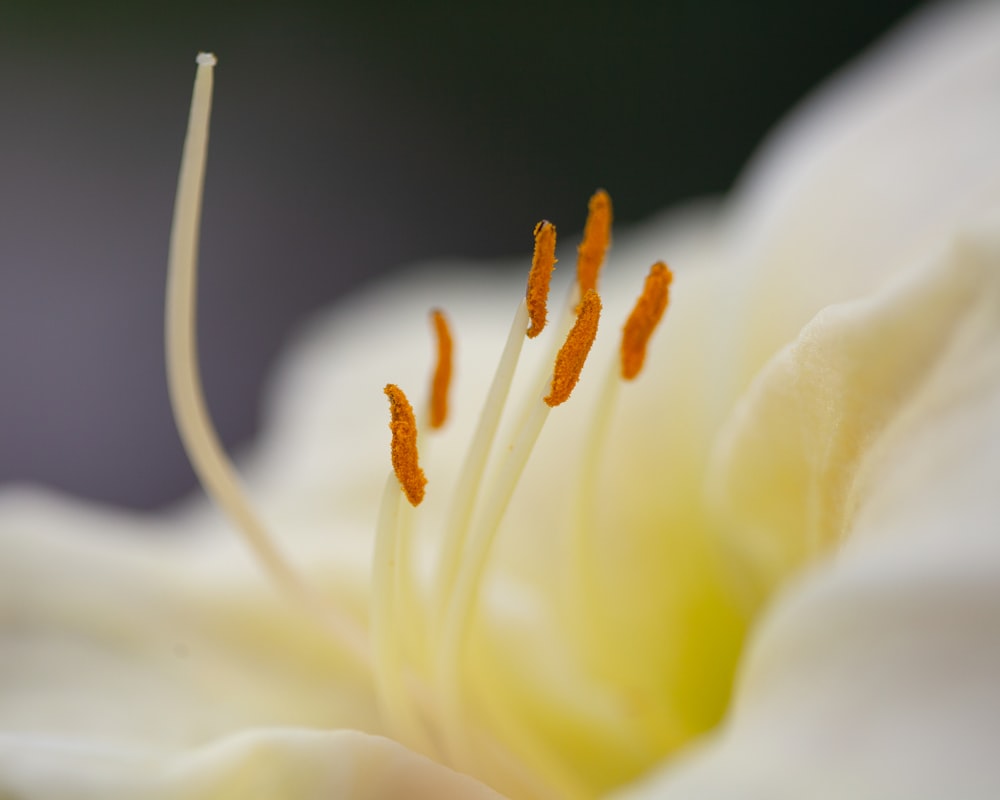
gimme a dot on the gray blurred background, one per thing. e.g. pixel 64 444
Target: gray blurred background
pixel 348 139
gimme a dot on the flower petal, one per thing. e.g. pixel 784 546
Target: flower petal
pixel 870 175
pixel 314 765
pixel 263 764
pixel 785 465
pixel 113 630
pixel 874 676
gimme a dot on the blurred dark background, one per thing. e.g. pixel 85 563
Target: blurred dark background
pixel 347 139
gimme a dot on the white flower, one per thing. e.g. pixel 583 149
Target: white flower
pixel 799 493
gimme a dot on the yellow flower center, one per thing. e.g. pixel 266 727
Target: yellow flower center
pixel 607 635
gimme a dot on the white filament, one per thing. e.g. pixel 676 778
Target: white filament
pixel 388 565
pixel 458 615
pixel 471 474
pixel 584 539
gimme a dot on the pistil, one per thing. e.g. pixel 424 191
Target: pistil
pixel 201 441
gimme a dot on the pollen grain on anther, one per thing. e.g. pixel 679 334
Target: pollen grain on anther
pixel 441 380
pixel 596 240
pixel 543 262
pixel 404 445
pixel 644 318
pixel 573 354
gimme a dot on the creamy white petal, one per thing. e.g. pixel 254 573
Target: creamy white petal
pixel 869 175
pixel 34 767
pixel 785 475
pixel 261 764
pixel 314 765
pixel 875 673
pixel 113 629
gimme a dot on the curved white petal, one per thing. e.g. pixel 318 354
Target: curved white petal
pixel 112 628
pixel 314 765
pixel 875 674
pixel 261 764
pixel 873 172
pixel 785 481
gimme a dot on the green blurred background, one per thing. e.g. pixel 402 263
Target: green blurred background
pixel 348 139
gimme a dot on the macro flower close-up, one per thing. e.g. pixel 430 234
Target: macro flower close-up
pixel 722 522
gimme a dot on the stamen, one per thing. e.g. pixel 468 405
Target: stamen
pixel 441 382
pixel 471 474
pixel 543 262
pixel 404 446
pixel 573 354
pixel 588 592
pixel 201 441
pixel 596 239
pixel 467 545
pixel 479 544
pixel 387 600
pixel 644 318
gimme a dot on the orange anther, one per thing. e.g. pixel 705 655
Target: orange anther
pixel 441 381
pixel 644 318
pixel 573 354
pixel 543 262
pixel 596 239
pixel 404 445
